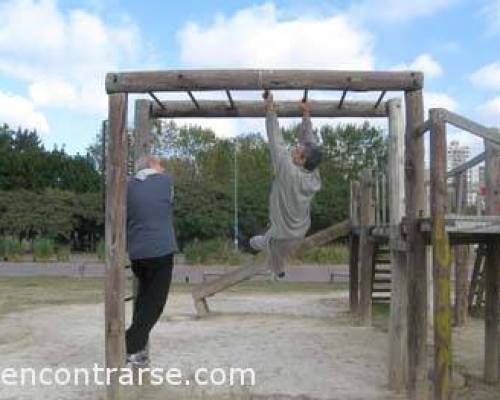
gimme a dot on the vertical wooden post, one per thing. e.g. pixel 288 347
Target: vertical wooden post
pixel 354 249
pixel 461 257
pixel 366 247
pixel 441 256
pixel 398 333
pixel 383 184
pixel 416 248
pixel 492 306
pixel 116 193
pixel 143 139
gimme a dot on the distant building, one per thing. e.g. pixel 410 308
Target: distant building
pixel 458 155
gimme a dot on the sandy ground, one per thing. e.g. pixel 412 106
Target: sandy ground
pixel 301 346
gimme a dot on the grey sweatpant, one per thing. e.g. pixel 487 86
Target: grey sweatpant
pixel 278 250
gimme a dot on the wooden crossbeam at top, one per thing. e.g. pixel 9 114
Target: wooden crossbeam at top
pixel 255 109
pixel 255 79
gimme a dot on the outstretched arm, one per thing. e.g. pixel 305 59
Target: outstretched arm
pixel 276 142
pixel 306 131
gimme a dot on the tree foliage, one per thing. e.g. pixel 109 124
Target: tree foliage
pixel 26 164
pixel 47 193
pixel 55 195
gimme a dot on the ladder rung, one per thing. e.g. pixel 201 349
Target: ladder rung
pixel 384 298
pixel 381 281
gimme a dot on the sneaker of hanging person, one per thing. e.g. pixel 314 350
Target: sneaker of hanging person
pixel 139 359
pixel 278 276
pixel 259 243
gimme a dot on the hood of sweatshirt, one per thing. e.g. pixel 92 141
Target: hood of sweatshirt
pixel 144 173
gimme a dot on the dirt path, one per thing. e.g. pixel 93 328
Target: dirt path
pixel 301 346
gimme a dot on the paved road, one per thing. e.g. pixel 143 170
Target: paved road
pixel 182 273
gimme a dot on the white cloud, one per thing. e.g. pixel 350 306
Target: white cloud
pixel 488 76
pixel 256 37
pixel 491 111
pixel 18 111
pixel 54 92
pixel 425 63
pixel 439 100
pixel 65 54
pixel 398 10
pixel 491 12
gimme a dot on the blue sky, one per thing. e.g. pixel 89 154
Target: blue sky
pixel 54 54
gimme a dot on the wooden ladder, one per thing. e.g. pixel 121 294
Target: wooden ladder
pixel 381 275
pixel 476 291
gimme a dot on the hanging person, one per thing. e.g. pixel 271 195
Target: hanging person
pixel 296 181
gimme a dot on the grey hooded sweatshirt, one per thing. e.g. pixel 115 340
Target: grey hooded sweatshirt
pixel 293 188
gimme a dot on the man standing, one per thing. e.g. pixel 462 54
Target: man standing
pixel 296 181
pixel 151 246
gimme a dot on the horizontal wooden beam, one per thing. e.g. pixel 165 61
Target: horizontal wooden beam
pixel 467 165
pixel 423 128
pixel 254 109
pixel 490 134
pixel 253 79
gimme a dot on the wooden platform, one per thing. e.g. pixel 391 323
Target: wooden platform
pixel 460 228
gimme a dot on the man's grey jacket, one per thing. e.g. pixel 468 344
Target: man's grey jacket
pixel 150 226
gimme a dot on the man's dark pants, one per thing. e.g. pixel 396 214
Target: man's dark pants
pixel 154 276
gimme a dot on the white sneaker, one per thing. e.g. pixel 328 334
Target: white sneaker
pixel 139 359
pixel 259 243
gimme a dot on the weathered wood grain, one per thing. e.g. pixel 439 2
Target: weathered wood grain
pixel 467 165
pixel 461 256
pixel 441 257
pixel 492 306
pixel 354 249
pixel 116 193
pixel 416 255
pixel 459 121
pixel 366 247
pixel 255 109
pixel 253 79
pixel 398 319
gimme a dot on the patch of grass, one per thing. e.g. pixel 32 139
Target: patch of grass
pixel 43 249
pixel 63 253
pixel 287 287
pixel 20 293
pixel 101 250
pixel 10 248
pixel 215 251
pixel 336 254
pixel 381 310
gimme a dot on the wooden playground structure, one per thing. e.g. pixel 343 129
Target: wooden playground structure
pixel 410 219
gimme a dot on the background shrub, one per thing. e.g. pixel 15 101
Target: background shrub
pixel 63 253
pixel 213 251
pixel 10 248
pixel 335 254
pixel 43 249
pixel 101 250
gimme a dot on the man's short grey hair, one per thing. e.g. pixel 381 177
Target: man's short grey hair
pixel 145 162
pixel 313 155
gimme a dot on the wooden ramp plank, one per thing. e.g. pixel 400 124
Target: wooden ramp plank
pixel 226 281
pixel 204 290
